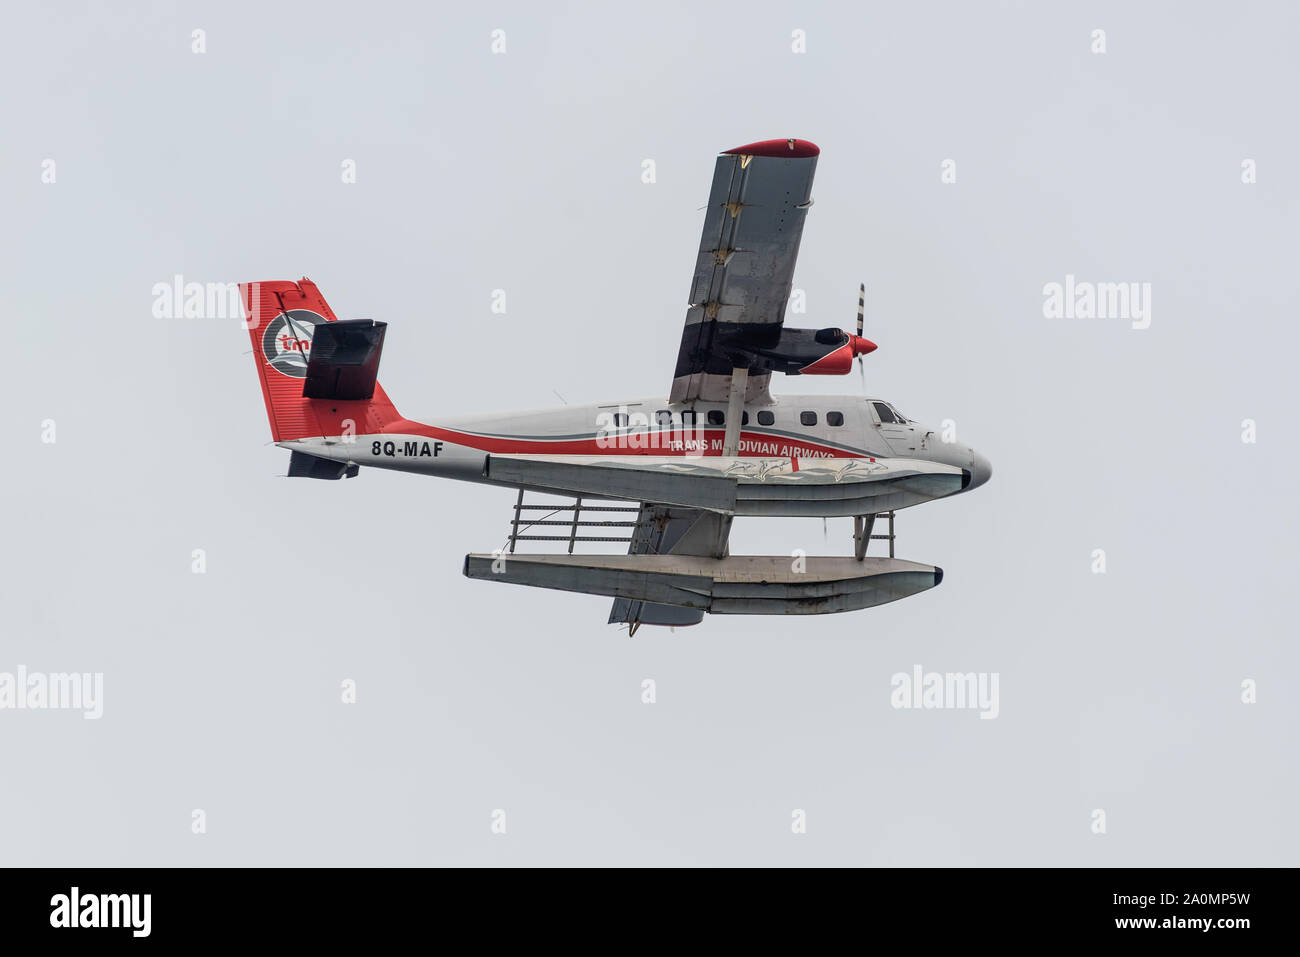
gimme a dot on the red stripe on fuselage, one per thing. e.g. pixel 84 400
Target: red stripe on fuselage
pixel 752 444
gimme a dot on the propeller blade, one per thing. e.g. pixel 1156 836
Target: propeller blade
pixel 862 308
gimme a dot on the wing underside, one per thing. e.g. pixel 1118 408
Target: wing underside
pixel 745 266
pixel 663 530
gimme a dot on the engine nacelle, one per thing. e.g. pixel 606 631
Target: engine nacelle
pixel 839 361
pixel 788 351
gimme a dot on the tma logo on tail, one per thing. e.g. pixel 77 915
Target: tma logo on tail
pixel 286 343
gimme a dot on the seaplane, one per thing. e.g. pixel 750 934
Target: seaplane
pixel 666 474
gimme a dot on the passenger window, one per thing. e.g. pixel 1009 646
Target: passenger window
pixel 835 418
pixel 886 416
pixel 744 418
pixel 620 420
pixel 663 419
pixel 717 417
pixel 766 418
pixel 808 418
pixel 688 418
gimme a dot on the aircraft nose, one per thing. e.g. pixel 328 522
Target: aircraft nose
pixel 981 470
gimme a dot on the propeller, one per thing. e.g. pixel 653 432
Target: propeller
pixel 862 307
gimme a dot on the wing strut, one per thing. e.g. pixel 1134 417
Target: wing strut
pixel 862 526
pixel 863 537
pixel 735 410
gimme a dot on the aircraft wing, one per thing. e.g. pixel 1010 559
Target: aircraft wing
pixel 728 485
pixel 664 530
pixel 760 196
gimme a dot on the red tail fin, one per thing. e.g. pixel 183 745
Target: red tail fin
pixel 280 319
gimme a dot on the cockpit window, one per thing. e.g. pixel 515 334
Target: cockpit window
pixel 890 415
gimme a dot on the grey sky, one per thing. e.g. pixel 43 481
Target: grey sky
pixel 523 172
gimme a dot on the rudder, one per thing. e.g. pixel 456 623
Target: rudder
pixel 281 317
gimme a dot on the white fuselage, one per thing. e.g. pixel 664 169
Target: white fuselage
pixel 809 429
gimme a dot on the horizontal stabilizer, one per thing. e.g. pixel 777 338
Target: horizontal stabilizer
pixel 302 465
pixel 739 585
pixel 344 361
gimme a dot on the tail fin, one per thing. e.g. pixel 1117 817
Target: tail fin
pixel 281 319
